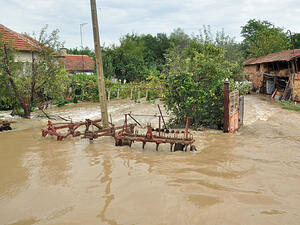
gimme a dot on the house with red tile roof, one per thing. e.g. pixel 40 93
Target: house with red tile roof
pixel 27 46
pixel 276 74
pixel 24 45
pixel 77 63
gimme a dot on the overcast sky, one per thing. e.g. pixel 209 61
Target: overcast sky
pixel 118 17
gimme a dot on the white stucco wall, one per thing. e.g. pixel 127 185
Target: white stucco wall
pixel 23 57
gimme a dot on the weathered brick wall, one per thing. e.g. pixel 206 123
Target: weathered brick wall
pixel 255 77
pixel 263 68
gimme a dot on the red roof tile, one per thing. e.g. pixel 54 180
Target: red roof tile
pixel 285 55
pixel 21 42
pixel 78 62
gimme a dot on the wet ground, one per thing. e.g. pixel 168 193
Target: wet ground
pixel 251 177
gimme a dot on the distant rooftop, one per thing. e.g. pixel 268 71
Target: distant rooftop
pixel 21 42
pixel 285 55
pixel 78 62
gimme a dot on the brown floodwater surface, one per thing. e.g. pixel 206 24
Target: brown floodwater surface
pixel 251 177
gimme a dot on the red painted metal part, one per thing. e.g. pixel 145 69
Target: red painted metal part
pixel 52 128
pixel 127 137
pixel 110 131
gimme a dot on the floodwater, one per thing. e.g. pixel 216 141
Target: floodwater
pixel 251 177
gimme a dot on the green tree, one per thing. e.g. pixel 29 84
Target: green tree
pixel 179 39
pixel 29 83
pixel 296 41
pixel 262 38
pixel 194 85
pixel 233 50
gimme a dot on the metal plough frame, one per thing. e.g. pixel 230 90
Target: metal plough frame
pixel 52 128
pixel 159 136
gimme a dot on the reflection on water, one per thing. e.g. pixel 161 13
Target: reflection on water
pixel 251 177
pixel 106 178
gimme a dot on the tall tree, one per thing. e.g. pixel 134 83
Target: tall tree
pixel 262 38
pixel 31 82
pixel 296 40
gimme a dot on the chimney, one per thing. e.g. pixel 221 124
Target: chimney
pixel 63 51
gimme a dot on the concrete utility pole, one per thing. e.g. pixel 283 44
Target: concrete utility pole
pixel 99 65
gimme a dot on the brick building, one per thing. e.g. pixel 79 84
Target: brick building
pixel 277 72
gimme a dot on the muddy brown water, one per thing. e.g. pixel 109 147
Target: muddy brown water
pixel 251 177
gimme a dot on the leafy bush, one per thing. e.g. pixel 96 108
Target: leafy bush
pixel 61 102
pixel 5 103
pixel 195 84
pixel 17 111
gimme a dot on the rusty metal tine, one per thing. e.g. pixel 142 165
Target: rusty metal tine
pixel 135 120
pixel 162 116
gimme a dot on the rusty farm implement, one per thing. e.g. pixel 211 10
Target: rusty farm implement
pixel 68 128
pixel 92 129
pixel 178 140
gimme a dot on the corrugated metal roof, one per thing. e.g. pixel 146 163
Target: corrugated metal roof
pixel 21 42
pixel 285 55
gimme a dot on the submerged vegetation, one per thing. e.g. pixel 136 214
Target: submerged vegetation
pixel 290 105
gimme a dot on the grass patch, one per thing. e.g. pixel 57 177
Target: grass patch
pixel 290 105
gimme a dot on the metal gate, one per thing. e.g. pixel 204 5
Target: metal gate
pixel 232 117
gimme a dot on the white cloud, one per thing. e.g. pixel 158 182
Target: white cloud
pixel 118 17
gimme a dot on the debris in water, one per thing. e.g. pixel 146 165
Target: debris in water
pixel 5 125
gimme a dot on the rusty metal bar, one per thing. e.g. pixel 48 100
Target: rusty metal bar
pixel 155 115
pixel 161 116
pixel 134 120
pixel 226 106
pixel 187 127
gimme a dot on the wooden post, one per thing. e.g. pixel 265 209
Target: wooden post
pixel 146 94
pixel 108 98
pixel 99 65
pixel 118 93
pixel 131 93
pixel 226 106
pixel 139 95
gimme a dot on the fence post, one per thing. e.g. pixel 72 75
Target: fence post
pixel 118 94
pixel 139 95
pixel 161 92
pixel 226 106
pixel 108 96
pixel 131 93
pixel 146 94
